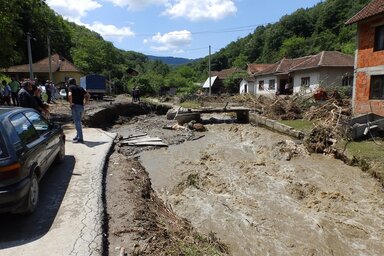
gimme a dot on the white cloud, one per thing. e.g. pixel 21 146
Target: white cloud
pixel 137 4
pixel 111 31
pixel 73 9
pixel 172 41
pixel 196 10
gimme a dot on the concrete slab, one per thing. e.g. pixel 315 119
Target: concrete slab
pixel 75 228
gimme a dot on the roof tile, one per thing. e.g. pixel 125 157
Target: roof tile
pixel 373 8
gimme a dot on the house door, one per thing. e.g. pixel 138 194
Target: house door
pixel 281 89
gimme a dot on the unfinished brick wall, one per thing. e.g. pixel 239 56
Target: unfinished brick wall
pixel 367 58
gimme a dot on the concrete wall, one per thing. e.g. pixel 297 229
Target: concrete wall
pixel 334 76
pixel 266 85
pixel 313 79
pixel 274 125
pixel 247 87
pixel 368 63
pixel 60 76
pixel 325 77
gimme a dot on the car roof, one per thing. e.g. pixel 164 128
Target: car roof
pixel 7 110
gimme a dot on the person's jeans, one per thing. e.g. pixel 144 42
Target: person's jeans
pixel 77 113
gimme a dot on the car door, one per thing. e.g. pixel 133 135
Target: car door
pixel 27 143
pixel 48 136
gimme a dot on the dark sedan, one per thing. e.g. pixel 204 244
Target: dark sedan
pixel 29 144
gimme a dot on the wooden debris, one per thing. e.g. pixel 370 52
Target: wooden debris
pixel 142 139
pixel 147 143
pixel 134 136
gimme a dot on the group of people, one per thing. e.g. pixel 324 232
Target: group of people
pixel 28 95
pixel 8 92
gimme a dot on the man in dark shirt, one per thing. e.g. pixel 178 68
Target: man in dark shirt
pixel 77 97
pixel 26 99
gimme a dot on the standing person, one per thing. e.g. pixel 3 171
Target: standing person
pixel 15 87
pixel 26 99
pixel 77 97
pixel 53 92
pixel 137 94
pixel 48 90
pixel 6 94
pixel 42 107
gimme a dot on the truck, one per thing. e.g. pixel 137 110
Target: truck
pixel 95 84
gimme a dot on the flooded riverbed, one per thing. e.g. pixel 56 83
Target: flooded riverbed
pixel 264 195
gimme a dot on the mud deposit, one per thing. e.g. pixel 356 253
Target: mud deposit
pixel 262 194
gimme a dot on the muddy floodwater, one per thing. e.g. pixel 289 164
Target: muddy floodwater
pixel 263 194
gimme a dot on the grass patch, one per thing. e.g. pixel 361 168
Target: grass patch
pixel 369 155
pixel 367 150
pixel 299 124
pixel 190 104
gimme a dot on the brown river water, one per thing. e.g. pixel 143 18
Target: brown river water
pixel 263 194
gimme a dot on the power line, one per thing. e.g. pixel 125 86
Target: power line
pixel 225 30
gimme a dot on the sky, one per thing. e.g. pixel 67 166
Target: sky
pixel 178 28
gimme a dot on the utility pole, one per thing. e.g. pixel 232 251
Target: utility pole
pixel 49 58
pixel 29 55
pixel 209 70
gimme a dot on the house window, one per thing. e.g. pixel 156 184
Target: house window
pixel 379 38
pixel 347 81
pixel 377 88
pixel 261 85
pixel 272 85
pixel 305 81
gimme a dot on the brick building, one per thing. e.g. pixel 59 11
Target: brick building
pixel 368 95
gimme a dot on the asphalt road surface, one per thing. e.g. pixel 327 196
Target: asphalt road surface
pixel 68 218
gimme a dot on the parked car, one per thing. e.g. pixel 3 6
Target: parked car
pixel 29 145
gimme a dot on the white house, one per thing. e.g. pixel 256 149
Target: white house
pixel 247 85
pixel 327 68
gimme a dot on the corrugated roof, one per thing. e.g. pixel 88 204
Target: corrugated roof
pixel 206 84
pixel 57 64
pixel 373 8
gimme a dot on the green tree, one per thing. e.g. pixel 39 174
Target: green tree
pixel 293 47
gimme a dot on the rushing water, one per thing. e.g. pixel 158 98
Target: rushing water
pixel 263 195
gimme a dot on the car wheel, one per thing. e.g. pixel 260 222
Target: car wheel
pixel 32 198
pixel 61 154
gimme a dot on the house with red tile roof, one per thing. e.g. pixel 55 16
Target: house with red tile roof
pixel 61 69
pixel 368 94
pixel 305 74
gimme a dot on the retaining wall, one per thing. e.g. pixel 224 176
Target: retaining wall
pixel 275 125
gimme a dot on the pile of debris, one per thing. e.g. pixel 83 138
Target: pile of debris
pixel 331 125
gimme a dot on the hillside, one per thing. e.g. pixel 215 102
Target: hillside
pixel 172 61
pixel 304 32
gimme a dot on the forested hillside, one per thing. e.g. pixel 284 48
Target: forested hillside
pixel 306 31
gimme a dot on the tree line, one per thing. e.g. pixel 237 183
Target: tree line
pixel 306 31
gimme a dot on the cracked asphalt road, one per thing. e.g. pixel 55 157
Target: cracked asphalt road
pixel 68 218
